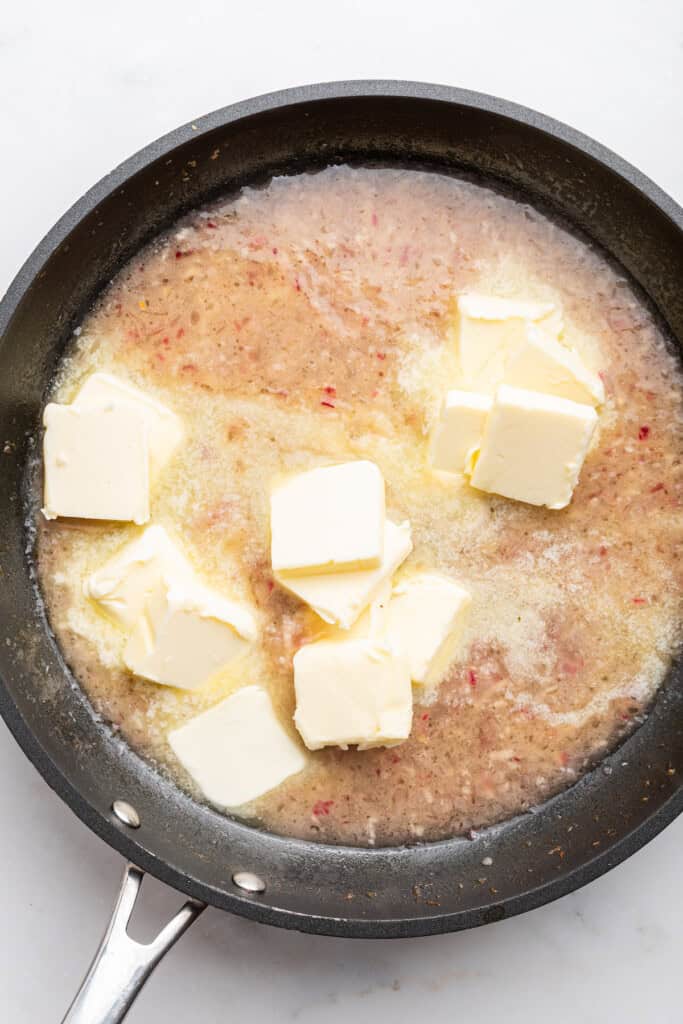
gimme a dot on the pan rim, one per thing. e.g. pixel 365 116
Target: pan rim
pixel 251 907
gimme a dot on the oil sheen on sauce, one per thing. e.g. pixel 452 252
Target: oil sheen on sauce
pixel 308 321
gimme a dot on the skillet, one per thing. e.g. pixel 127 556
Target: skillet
pixel 384 893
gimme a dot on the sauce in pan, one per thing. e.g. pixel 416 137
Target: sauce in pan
pixel 308 320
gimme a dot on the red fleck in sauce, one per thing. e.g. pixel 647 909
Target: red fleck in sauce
pixel 260 303
pixel 322 807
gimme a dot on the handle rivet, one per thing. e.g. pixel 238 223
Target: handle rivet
pixel 126 813
pixel 248 881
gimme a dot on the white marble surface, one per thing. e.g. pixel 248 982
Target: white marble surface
pixel 83 85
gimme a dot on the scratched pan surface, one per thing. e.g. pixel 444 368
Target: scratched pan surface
pixel 414 890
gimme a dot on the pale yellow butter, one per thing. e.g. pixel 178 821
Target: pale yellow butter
pixel 372 624
pixel 96 463
pixel 328 519
pixel 237 750
pixel 459 430
pixel 351 691
pixel 533 447
pixel 166 431
pixel 186 633
pixel 425 619
pixel 340 597
pixel 126 582
pixel 488 330
pixel 542 363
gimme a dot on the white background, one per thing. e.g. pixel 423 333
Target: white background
pixel 82 86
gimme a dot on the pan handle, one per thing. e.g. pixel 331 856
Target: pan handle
pixel 121 965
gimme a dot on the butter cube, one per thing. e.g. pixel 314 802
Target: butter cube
pixel 372 624
pixel 351 691
pixel 488 330
pixel 165 428
pixel 544 364
pixel 533 447
pixel 340 597
pixel 425 620
pixel 329 519
pixel 123 585
pixel 459 430
pixel 237 750
pixel 96 464
pixel 186 634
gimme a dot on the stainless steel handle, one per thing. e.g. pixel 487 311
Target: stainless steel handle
pixel 121 965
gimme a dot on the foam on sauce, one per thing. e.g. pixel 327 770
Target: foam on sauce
pixel 306 323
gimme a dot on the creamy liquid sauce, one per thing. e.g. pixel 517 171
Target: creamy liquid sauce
pixel 307 323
